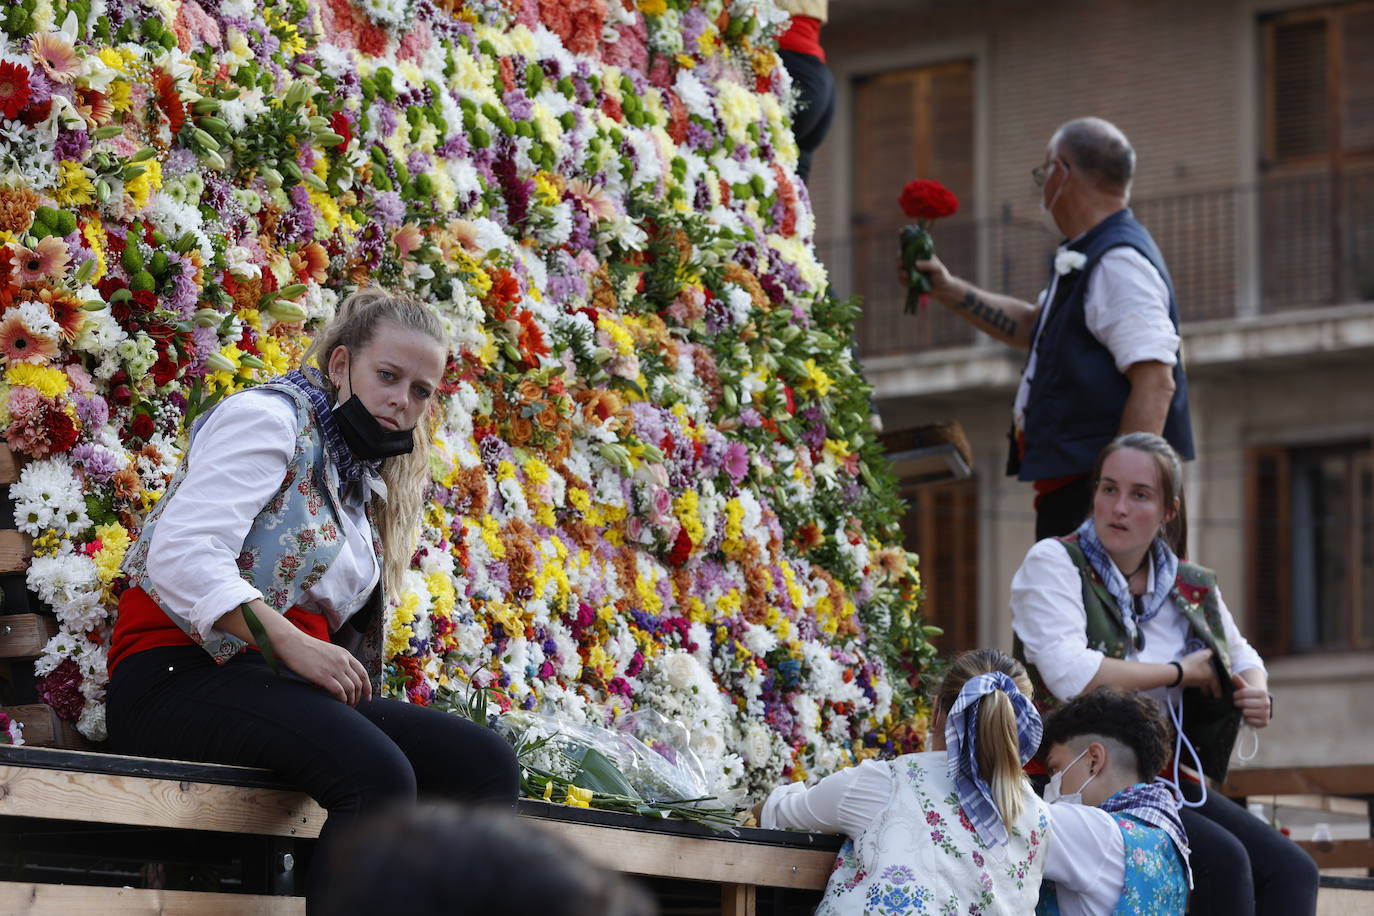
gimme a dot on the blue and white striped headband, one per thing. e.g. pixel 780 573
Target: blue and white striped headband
pixel 961 742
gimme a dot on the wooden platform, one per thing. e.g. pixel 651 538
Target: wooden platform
pixel 95 788
pixel 1347 781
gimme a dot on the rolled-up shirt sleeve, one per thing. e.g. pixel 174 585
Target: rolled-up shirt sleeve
pixel 1243 655
pixel 1047 614
pixel 1127 309
pixel 843 802
pixel 235 465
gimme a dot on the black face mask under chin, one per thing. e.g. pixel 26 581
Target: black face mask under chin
pixel 366 438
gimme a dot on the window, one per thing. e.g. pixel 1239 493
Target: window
pixel 941 525
pixel 908 124
pixel 1317 194
pixel 1310 520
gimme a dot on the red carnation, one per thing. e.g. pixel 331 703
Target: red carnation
pixel 922 199
pixel 62 431
pixel 338 122
pixel 14 88
pixel 61 689
pixel 682 549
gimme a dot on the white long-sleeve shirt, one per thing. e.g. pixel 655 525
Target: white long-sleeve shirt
pixel 1047 613
pixel 1126 307
pixel 236 463
pixel 1085 855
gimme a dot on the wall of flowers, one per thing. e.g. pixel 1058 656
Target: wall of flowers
pixel 655 484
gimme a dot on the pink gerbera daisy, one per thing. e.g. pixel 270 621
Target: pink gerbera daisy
pixel 47 259
pixel 20 345
pixel 55 55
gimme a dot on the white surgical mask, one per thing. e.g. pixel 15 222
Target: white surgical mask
pixel 1054 796
pixel 1047 209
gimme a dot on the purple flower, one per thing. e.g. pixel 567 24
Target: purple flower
pixel 736 461
pixel 98 463
pixel 389 209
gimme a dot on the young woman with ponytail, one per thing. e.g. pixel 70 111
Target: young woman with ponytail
pixel 956 829
pixel 251 633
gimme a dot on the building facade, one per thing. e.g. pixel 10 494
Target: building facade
pixel 1254 126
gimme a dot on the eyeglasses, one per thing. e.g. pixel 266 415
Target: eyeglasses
pixel 1042 172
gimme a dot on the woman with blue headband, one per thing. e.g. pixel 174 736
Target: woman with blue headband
pixel 956 829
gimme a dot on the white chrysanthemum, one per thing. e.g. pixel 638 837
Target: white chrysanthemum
pixel 48 495
pixel 92 722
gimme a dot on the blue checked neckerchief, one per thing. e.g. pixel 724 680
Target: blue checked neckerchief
pixel 353 471
pixel 1154 804
pixel 961 743
pixel 1165 564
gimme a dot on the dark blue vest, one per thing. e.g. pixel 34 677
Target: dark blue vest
pixel 1077 395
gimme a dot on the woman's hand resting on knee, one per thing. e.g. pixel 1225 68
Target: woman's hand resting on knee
pixel 325 665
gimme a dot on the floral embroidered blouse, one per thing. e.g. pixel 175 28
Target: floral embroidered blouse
pixel 910 848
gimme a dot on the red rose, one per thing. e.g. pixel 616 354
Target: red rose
pixel 164 370
pixel 923 199
pixel 142 426
pixel 122 396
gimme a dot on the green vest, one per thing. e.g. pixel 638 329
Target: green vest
pixel 1210 723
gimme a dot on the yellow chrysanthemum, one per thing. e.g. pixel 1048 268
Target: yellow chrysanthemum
pixel 141 188
pixel 49 382
pixel 74 184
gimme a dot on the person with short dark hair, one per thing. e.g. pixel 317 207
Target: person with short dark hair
pixel 444 860
pixel 1103 335
pixel 1119 845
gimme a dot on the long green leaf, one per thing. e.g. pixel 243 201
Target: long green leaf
pixel 260 637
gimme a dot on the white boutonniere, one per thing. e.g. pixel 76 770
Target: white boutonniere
pixel 1068 260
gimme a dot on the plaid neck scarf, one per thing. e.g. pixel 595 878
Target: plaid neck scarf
pixel 1165 565
pixel 961 741
pixel 1154 804
pixel 353 471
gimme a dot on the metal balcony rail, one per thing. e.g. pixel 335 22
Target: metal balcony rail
pixel 1287 243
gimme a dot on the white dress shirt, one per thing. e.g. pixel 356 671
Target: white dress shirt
pixel 1047 613
pixel 236 463
pixel 1126 307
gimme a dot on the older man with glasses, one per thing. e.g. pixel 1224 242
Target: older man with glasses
pixel 1103 335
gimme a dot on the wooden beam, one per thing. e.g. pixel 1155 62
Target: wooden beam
pixel 1346 779
pixel 1357 853
pixel 696 858
pixel 103 799
pixel 25 635
pixel 10 466
pixel 15 550
pixel 738 899
pixel 83 900
pixel 44 728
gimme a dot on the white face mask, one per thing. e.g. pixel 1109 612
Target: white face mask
pixel 1054 796
pixel 1047 209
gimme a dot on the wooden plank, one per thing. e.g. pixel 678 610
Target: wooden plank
pixel 97 798
pixel 10 466
pixel 44 728
pixel 25 635
pixel 15 549
pixel 695 858
pixel 1357 853
pixel 82 900
pixel 1345 779
pixel 738 899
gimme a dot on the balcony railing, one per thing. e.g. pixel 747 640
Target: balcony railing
pixel 1286 244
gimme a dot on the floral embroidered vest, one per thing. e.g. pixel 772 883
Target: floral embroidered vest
pixel 1210 723
pixel 922 854
pixel 291 543
pixel 1155 883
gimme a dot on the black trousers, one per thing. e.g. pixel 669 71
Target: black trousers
pixel 1059 512
pixel 1243 866
pixel 176 702
pixel 816 86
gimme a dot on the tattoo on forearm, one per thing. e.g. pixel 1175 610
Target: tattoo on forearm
pixel 989 315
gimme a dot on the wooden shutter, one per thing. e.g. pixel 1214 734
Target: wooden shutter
pixel 908 124
pixel 1357 80
pixel 1268 555
pixel 1298 90
pixel 942 526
